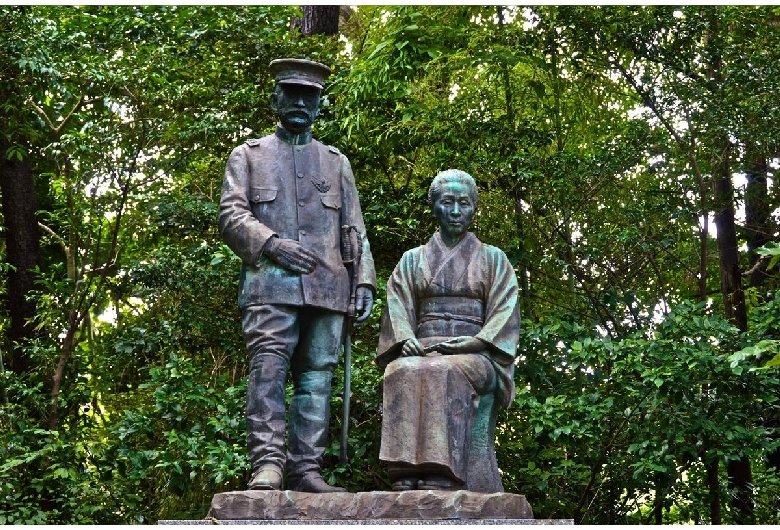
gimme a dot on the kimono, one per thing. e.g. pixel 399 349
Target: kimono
pixel 435 294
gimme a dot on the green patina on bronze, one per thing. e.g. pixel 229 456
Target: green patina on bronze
pixel 448 340
pixel 285 200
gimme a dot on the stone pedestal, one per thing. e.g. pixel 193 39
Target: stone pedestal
pixel 376 506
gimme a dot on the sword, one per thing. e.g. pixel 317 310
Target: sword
pixel 352 262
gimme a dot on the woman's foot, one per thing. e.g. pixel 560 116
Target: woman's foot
pixel 405 484
pixel 437 482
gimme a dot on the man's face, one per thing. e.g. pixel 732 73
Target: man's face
pixel 297 106
pixel 454 209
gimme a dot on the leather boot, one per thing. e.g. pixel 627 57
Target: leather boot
pixel 266 478
pixel 316 484
pixel 265 414
pixel 308 431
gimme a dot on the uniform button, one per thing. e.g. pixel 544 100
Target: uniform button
pixel 301 204
pixel 300 175
pixel 302 232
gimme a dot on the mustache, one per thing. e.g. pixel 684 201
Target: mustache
pixel 298 113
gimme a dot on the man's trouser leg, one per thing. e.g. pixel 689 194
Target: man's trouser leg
pixel 312 369
pixel 271 335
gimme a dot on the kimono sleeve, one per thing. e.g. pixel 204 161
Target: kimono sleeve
pixel 502 316
pixel 399 318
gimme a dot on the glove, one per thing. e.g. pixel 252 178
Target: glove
pixel 364 301
pixel 290 255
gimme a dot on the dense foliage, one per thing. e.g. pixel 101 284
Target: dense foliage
pixel 626 160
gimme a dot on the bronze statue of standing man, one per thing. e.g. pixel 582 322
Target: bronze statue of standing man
pixel 286 200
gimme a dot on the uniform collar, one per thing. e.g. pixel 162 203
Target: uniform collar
pixel 292 138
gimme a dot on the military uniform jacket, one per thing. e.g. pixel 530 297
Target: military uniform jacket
pixel 301 192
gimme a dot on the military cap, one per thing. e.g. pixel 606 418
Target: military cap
pixel 299 72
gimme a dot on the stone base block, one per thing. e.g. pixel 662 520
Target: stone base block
pixel 370 522
pixel 374 505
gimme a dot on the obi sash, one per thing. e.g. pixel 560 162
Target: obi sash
pixel 444 317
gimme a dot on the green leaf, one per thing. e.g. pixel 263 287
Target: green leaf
pixel 774 361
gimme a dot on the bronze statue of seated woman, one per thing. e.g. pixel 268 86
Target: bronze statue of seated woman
pixel 447 345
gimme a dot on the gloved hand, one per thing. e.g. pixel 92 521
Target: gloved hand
pixel 290 255
pixel 364 301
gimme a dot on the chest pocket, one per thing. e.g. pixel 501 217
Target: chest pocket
pixel 259 195
pixel 260 199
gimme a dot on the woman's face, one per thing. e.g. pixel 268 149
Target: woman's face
pixel 454 209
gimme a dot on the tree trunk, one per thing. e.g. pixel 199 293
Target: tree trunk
pixel 320 20
pixel 22 244
pixel 658 501
pixel 758 232
pixel 68 343
pixel 757 211
pixel 728 248
pixel 741 479
pixel 714 490
pixel 739 472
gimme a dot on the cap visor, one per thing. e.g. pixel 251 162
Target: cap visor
pixel 299 82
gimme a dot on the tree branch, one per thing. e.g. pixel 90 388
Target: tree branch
pixel 58 128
